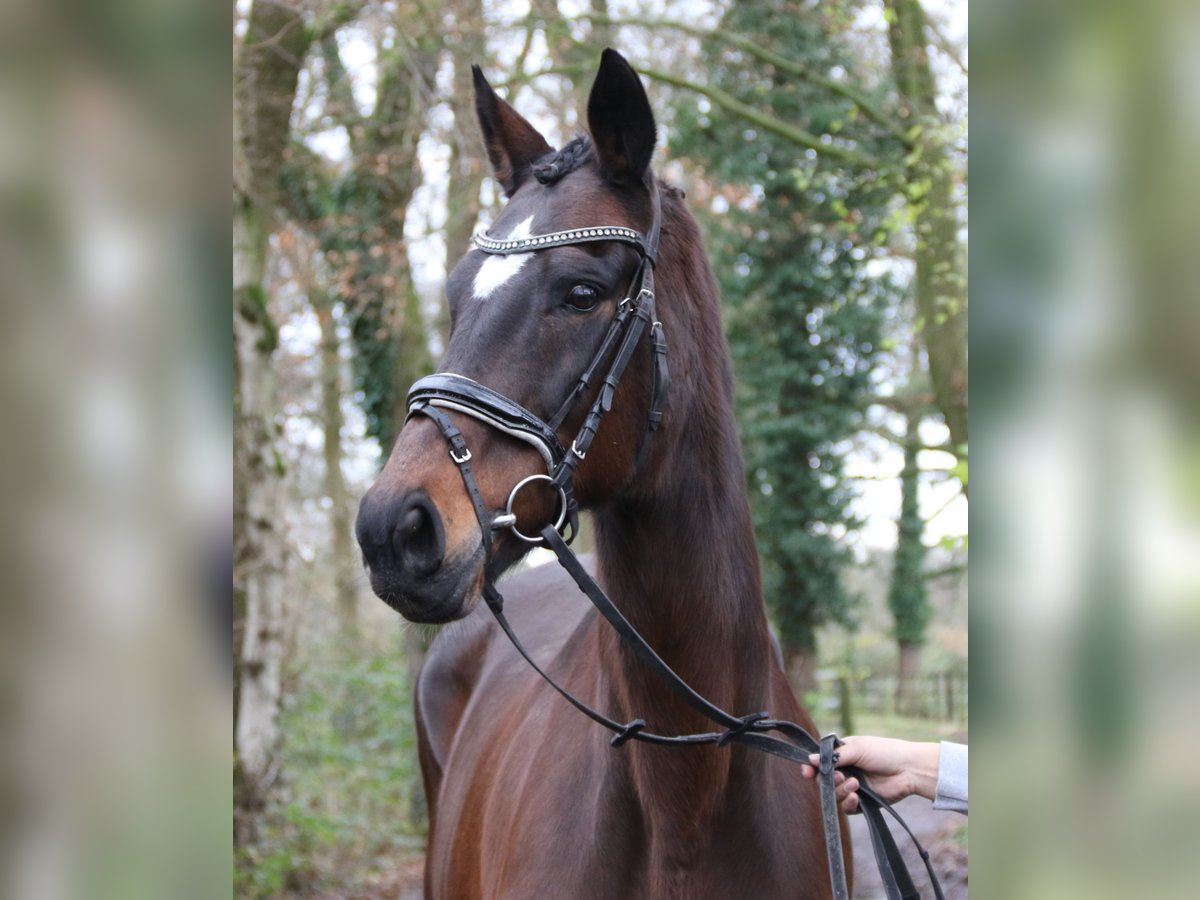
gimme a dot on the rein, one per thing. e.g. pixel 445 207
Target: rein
pixel 434 394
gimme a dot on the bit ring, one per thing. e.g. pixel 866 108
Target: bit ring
pixel 562 510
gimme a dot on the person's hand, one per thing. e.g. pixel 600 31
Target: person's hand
pixel 847 788
pixel 895 769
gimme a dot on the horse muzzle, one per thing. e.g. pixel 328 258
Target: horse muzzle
pixel 403 542
pixel 419 530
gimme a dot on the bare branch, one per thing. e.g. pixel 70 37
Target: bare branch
pixel 333 18
pixel 782 63
pixel 799 70
pixel 732 104
pixel 341 103
pixel 945 506
pixel 944 44
pixel 945 571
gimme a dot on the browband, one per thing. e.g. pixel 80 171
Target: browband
pixel 564 239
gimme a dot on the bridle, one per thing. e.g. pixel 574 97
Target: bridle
pixel 433 395
pixel 465 395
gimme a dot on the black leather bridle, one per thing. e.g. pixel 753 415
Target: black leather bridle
pixel 467 396
pixel 432 395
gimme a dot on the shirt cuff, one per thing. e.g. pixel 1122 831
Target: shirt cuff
pixel 952 778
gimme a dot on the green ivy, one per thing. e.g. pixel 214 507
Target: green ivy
pixel 804 318
pixel 908 597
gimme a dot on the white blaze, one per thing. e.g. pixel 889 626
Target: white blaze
pixel 496 270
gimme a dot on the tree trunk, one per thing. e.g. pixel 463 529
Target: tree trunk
pixel 260 550
pixel 802 671
pixel 576 58
pixel 845 705
pixel 343 557
pixel 387 174
pixel 941 280
pixel 466 150
pixel 908 684
pixel 266 71
pixel 908 597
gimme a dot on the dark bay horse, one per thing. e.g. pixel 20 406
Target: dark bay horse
pixel 527 799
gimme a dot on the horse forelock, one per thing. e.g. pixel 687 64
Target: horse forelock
pixel 553 168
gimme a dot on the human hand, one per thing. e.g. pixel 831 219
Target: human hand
pixel 896 768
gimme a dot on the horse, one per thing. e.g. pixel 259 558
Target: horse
pixel 526 798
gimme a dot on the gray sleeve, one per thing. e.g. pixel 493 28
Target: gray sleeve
pixel 952 778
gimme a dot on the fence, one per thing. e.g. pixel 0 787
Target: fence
pixel 940 696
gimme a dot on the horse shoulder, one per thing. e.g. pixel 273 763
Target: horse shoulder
pixel 462 660
pixel 481 710
pixel 444 687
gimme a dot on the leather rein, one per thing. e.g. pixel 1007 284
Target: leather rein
pixel 433 395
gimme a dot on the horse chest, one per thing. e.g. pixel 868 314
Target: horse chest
pixel 574 826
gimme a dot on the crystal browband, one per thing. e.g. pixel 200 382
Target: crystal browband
pixel 561 239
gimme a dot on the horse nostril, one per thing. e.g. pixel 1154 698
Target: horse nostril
pixel 418 541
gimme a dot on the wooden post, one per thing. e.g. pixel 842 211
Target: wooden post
pixel 846 713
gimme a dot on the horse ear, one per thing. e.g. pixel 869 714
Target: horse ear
pixel 619 117
pixel 512 143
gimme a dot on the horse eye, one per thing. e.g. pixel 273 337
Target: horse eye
pixel 583 297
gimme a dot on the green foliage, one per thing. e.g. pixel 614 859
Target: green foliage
pixel 361 239
pixel 254 309
pixel 804 317
pixel 960 469
pixel 908 598
pixel 351 806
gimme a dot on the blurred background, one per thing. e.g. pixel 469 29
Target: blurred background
pixel 822 146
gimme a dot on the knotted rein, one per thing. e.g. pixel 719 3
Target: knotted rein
pixel 433 395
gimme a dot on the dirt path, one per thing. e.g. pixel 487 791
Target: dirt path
pixel 935 829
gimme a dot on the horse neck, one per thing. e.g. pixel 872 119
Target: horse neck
pixel 683 568
pixel 676 554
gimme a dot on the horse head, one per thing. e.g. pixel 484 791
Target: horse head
pixel 526 322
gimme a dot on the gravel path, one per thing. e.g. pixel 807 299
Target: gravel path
pixel 935 829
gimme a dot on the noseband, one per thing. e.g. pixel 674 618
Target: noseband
pixel 446 391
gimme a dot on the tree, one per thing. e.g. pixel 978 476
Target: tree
pixel 941 282
pixel 266 72
pixel 345 588
pixel 572 57
pixel 267 66
pixel 907 595
pixel 466 159
pixel 804 318
pixel 358 215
